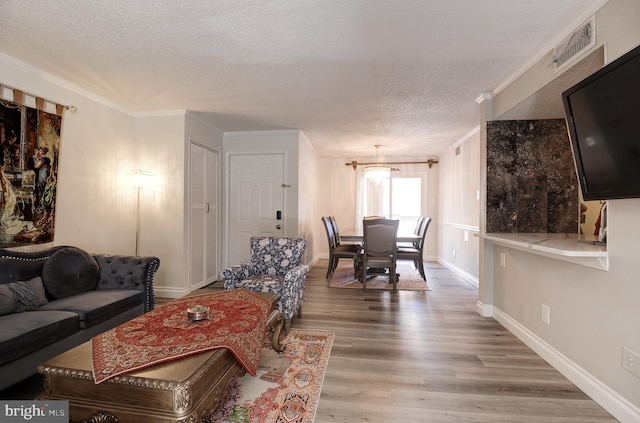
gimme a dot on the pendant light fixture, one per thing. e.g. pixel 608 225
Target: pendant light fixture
pixel 377 172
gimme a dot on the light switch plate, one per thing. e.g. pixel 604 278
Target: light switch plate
pixel 546 314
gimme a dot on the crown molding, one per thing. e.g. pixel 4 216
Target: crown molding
pixel 59 82
pixel 484 97
pixel 548 46
pixel 160 113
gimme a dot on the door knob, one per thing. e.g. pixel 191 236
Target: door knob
pixel 278 227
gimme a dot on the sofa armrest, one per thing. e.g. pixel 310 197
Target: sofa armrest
pixel 129 272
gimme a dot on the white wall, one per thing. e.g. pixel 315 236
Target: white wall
pixel 459 207
pixel 336 197
pixel 308 199
pixel 101 143
pixel 162 147
pixel 95 207
pixel 594 313
pixel 161 205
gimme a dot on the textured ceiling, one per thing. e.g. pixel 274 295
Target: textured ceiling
pixel 349 73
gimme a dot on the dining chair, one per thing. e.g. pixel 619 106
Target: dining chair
pixel 415 252
pixel 336 232
pixel 416 231
pixel 338 250
pixel 380 249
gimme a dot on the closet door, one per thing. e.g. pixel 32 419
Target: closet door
pixel 204 216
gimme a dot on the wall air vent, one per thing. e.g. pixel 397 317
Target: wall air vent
pixel 580 40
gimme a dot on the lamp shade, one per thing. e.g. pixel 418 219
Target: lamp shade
pixel 377 173
pixel 140 178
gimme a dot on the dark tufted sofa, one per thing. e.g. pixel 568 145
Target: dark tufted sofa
pixel 58 298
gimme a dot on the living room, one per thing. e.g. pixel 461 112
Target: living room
pixel 594 315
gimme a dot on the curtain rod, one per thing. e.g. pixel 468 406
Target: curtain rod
pixel 355 163
pixel 18 97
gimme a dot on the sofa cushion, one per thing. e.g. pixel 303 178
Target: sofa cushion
pixel 24 333
pixel 95 307
pixel 70 271
pixel 22 296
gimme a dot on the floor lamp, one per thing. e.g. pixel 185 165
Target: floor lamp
pixel 140 179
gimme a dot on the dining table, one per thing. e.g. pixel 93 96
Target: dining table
pixel 357 235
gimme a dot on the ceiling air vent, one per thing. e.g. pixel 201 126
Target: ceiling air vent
pixel 581 40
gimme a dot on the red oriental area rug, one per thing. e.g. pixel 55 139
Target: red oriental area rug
pixel 287 387
pixel 237 321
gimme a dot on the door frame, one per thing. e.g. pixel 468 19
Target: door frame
pixel 290 206
pixel 190 142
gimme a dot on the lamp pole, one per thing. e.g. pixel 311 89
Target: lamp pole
pixel 139 188
pixel 140 179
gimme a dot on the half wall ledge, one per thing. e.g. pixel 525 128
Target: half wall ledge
pixel 565 247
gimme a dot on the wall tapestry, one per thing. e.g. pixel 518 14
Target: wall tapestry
pixel 29 146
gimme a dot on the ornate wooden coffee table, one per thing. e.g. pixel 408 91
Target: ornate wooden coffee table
pixel 180 391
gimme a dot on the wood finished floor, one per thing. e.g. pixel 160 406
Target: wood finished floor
pixel 429 357
pixel 423 356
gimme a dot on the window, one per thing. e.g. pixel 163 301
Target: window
pixel 395 198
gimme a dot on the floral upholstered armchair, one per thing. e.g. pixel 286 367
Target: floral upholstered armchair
pixel 276 266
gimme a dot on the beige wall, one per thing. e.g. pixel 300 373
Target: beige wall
pixel 161 205
pixel 594 313
pixel 95 208
pixel 337 197
pixel 459 203
pixel 308 199
pixel 101 143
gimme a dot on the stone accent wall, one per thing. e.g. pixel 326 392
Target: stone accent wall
pixel 531 180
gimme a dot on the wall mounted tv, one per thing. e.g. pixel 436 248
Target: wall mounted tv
pixel 603 119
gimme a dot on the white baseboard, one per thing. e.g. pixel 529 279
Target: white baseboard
pixel 484 310
pixel 618 406
pixel 460 272
pixel 170 292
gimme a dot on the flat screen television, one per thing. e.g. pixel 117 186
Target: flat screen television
pixel 603 119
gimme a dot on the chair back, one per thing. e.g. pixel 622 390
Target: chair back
pixel 336 232
pixel 380 237
pixel 328 227
pixel 276 255
pixel 418 227
pixel 423 231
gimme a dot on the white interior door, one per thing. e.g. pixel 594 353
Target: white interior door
pixel 256 201
pixel 204 216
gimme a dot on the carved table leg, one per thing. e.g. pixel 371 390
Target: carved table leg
pixel 274 327
pixel 102 417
